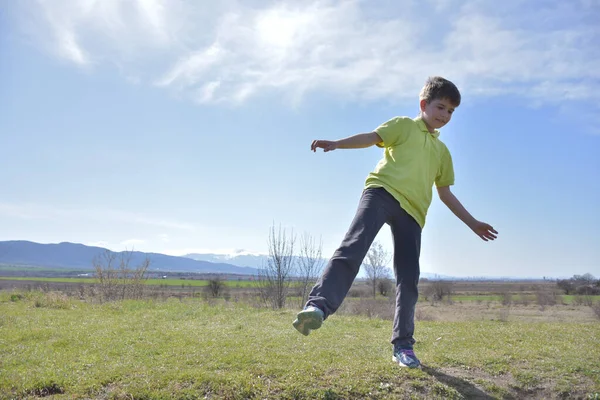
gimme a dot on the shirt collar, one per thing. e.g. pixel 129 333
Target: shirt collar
pixel 423 127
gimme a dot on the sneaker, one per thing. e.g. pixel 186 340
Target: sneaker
pixel 406 358
pixel 309 319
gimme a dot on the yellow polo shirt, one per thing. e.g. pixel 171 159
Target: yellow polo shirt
pixel 413 160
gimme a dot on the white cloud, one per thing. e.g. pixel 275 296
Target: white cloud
pixel 132 242
pixel 30 211
pixel 99 243
pixel 229 51
pixel 220 251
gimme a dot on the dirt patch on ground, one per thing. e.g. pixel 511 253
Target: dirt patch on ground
pixel 475 383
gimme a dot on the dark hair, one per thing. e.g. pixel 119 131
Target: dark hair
pixel 437 87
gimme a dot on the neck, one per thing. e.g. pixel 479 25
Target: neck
pixel 429 128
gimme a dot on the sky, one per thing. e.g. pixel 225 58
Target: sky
pixel 176 126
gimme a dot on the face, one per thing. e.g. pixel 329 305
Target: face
pixel 437 113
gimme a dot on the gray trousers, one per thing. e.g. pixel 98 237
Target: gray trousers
pixel 376 207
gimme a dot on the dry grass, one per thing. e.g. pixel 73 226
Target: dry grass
pixel 473 311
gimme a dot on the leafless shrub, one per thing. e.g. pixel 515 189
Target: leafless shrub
pixel 376 266
pixel 503 314
pixel 116 278
pixel 371 308
pixel 589 290
pixel 567 285
pixel 545 298
pixel 273 280
pixel 436 290
pixel 523 299
pixel 357 292
pixel 422 315
pixel 310 265
pixel 596 308
pixel 506 298
pixel 580 300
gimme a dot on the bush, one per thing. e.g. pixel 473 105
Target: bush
pixel 546 298
pixel 385 287
pixel 583 300
pixel 16 297
pixel 422 315
pixel 523 299
pixel 215 287
pixel 436 290
pixel 596 308
pixel 506 298
pixel 357 292
pixel 371 308
pixel 588 290
pixel 56 300
pixel 567 285
pixel 580 284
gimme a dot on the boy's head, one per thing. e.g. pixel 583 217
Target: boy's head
pixel 438 99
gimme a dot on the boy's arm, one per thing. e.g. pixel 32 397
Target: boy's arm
pixel 359 141
pixel 483 230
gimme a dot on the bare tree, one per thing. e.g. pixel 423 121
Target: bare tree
pixel 107 274
pixel 274 277
pixel 376 265
pixel 120 281
pixel 310 264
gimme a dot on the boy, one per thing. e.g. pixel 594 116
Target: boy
pixel 398 192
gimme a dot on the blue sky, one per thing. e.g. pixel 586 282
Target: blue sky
pixel 180 126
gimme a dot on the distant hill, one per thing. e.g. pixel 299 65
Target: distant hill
pixel 257 261
pixel 74 255
pixel 241 260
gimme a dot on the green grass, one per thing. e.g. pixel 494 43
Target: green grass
pixel 54 345
pixel 480 297
pixel 26 268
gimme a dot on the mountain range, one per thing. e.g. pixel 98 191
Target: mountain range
pixel 259 260
pixel 79 256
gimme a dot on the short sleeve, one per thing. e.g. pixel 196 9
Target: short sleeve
pixel 445 175
pixel 394 132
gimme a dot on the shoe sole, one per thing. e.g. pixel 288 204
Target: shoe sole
pixel 307 321
pixel 400 363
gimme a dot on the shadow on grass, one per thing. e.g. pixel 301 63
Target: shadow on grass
pixel 465 388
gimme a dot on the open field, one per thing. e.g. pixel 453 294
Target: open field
pixel 61 348
pixel 165 282
pixel 462 291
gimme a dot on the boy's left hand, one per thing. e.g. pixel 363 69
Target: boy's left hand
pixel 484 231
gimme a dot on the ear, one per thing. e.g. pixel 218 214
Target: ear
pixel 422 104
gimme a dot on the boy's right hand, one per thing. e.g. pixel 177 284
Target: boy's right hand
pixel 326 145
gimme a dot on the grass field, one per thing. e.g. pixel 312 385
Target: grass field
pixel 56 347
pixel 166 282
pixel 248 284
